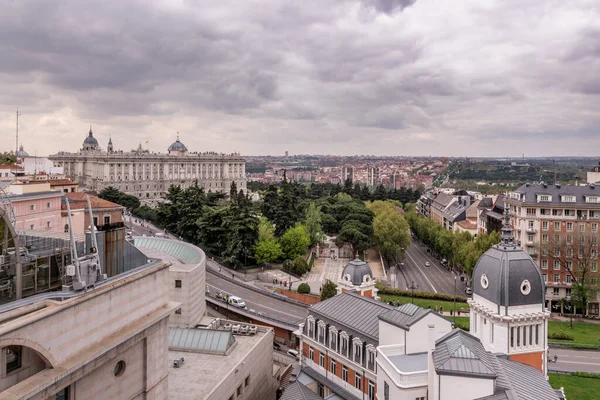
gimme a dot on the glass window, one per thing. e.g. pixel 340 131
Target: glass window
pixel 358 381
pixel 555 291
pixel 311 354
pixel 344 373
pixel 557 226
pixel 321 360
pixel 544 264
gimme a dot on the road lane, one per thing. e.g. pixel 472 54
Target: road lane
pixel 265 304
pixel 575 360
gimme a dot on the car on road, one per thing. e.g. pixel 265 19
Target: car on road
pixel 427 264
pixel 293 353
pixel 276 346
pixel 468 291
pixel 237 302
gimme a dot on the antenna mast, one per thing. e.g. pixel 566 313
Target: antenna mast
pixel 17 135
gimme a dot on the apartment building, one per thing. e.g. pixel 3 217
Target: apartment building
pixel 558 226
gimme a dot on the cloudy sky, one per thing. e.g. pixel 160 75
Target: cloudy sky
pixel 386 77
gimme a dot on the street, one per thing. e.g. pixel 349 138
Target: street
pixel 435 278
pixel 574 360
pixel 265 304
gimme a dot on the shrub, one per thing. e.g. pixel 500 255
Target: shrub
pixel 464 325
pixel 560 336
pixel 304 288
pixel 421 295
pixel 592 375
pixel 298 266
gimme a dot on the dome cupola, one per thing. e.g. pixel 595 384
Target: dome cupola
pixel 177 147
pixel 506 275
pixel 357 272
pixel 90 142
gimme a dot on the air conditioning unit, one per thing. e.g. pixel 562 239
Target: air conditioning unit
pixel 70 270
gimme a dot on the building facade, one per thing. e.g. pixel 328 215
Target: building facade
pixel 148 175
pixel 558 226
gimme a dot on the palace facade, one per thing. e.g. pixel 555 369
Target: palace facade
pixel 148 175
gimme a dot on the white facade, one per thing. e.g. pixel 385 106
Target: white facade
pixel 148 175
pixel 40 165
pixel 464 388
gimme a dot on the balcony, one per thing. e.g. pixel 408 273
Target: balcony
pixel 531 230
pixel 406 370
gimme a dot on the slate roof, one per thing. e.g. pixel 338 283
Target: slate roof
pixel 357 269
pixel 442 200
pixel 486 202
pixel 405 315
pixel 353 313
pixel 455 211
pixel 458 353
pixel 529 194
pixel 297 391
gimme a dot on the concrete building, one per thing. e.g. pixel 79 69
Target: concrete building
pixel 593 176
pixel 373 176
pixel 106 215
pixel 148 175
pixel 115 340
pixel 39 165
pixel 35 206
pixel 559 227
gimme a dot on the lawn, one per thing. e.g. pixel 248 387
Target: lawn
pixel 425 303
pixel 576 387
pixel 582 332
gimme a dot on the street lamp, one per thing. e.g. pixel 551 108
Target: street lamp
pixel 455 301
pixel 412 288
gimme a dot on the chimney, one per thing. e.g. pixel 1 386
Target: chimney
pixel 576 181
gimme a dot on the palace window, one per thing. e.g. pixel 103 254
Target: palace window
pixel 344 339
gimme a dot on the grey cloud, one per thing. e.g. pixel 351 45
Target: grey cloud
pixel 389 6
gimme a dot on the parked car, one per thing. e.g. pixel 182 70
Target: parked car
pixel 276 346
pixel 293 353
pixel 237 302
pixel 427 264
pixel 468 291
pixel 207 290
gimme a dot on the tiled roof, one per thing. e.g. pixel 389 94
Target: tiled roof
pixel 354 312
pixel 10 167
pixel 79 201
pixel 60 182
pixel 466 224
pixel 459 353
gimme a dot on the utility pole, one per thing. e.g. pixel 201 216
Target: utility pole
pixel 412 288
pixel 17 135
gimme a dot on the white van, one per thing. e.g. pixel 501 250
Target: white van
pixel 237 302
pixel 293 353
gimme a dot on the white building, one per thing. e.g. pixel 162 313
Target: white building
pixel 357 348
pixel 149 175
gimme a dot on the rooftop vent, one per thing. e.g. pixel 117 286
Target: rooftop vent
pixel 592 185
pixel 545 185
pixel 558 185
pixel 527 185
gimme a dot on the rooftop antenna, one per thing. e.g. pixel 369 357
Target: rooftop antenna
pixel 17 136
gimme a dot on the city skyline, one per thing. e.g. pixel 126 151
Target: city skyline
pixel 382 77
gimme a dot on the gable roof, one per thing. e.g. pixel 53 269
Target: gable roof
pixel 486 202
pixel 442 200
pixel 405 316
pixel 353 312
pixel 458 353
pixel 297 391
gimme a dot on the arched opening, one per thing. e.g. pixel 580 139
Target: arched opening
pixel 18 363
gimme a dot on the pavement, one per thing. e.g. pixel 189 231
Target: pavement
pixel 435 278
pixel 574 360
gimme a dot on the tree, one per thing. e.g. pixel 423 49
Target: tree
pixel 126 200
pixel 391 234
pixel 294 241
pixel 267 250
pixel 8 158
pixel 577 254
pixel 298 266
pixel 304 288
pixel 313 224
pixel 328 290
pixel 266 230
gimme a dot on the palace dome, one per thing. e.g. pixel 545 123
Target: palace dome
pixel 355 272
pixel 22 153
pixel 177 146
pixel 506 275
pixel 90 140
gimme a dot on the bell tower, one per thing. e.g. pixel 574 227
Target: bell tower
pixel 507 310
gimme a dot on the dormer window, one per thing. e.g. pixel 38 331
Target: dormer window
pixel 371 357
pixel 357 351
pixel 311 327
pixel 344 344
pixel 333 339
pixel 592 199
pixel 544 198
pixel 321 332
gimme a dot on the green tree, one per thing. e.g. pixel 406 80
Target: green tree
pixel 391 234
pixel 241 224
pixel 267 251
pixel 313 224
pixel 8 158
pixel 113 195
pixel 304 288
pixel 328 290
pixel 294 241
pixel 266 230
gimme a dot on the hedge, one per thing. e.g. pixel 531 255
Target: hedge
pixel 561 336
pixel 421 295
pixel 592 375
pixel 304 288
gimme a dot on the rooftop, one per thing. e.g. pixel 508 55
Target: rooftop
pixel 458 353
pixel 405 315
pixel 528 193
pixel 409 362
pixel 353 313
pixel 79 201
pixel 208 341
pixel 201 372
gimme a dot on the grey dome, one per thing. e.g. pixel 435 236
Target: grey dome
pixel 22 153
pixel 177 146
pixel 506 275
pixel 90 140
pixel 357 269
